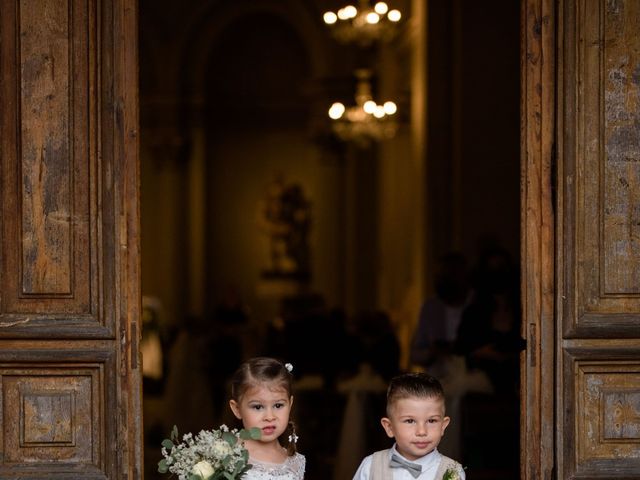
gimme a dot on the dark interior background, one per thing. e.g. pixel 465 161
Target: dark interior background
pixel 233 95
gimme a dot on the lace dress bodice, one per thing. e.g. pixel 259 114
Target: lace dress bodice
pixel 291 469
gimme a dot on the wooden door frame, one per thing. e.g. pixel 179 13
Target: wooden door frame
pixel 538 131
pixel 130 427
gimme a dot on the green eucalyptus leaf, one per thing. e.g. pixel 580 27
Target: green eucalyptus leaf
pixel 174 433
pixel 230 438
pixel 162 466
pixel 252 434
pixel 168 444
pixel 241 467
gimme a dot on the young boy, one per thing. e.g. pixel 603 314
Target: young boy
pixel 416 420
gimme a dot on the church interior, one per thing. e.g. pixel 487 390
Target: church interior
pixel 271 228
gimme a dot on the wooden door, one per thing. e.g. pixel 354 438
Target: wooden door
pixel 581 239
pixel 69 274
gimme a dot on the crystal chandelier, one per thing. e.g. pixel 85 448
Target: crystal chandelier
pixel 366 121
pixel 363 24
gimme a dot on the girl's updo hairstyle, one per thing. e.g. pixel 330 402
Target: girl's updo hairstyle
pixel 266 370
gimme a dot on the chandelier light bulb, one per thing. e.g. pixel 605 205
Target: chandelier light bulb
pixel 369 106
pixel 381 8
pixel 379 111
pixel 345 13
pixel 390 108
pixel 336 111
pixel 394 15
pixel 330 18
pixel 350 11
pixel 373 18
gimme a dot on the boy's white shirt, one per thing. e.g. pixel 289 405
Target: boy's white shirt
pixel 430 463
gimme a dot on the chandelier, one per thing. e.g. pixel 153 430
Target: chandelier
pixel 363 24
pixel 366 121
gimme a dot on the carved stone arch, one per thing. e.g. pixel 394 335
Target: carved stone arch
pixel 215 18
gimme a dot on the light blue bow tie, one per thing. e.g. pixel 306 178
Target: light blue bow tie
pixel 414 469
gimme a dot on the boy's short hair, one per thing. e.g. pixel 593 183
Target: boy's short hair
pixel 413 385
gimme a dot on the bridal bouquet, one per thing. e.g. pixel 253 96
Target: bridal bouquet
pixel 210 455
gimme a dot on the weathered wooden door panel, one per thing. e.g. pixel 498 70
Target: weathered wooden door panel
pixel 56 279
pixel 601 162
pixel 55 404
pixel 598 291
pixel 601 423
pixel 69 280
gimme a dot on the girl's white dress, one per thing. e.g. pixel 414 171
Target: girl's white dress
pixel 291 469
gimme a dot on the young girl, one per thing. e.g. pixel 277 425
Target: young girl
pixel 261 397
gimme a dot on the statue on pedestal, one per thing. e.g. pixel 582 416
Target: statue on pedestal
pixel 285 216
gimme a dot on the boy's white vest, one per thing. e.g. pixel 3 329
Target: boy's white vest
pixel 380 469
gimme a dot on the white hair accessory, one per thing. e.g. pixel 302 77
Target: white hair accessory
pixel 293 438
pixel 289 367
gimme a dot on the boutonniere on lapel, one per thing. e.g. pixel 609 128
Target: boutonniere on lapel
pixel 451 474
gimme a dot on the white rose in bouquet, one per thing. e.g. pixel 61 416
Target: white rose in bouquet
pixel 203 469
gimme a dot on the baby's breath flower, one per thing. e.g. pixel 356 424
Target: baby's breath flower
pixel 221 448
